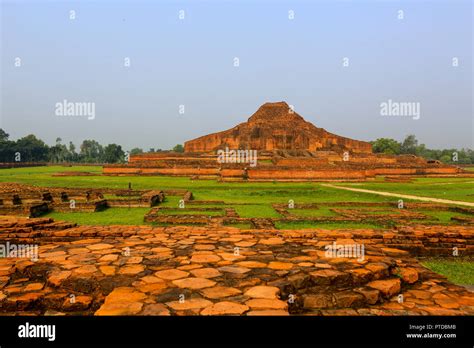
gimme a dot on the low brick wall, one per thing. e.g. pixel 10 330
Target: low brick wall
pixel 181 171
pixel 21 165
pixel 81 207
pixel 418 240
pixel 289 169
pixel 289 174
pixel 29 210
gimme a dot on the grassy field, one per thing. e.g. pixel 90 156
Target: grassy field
pixel 248 199
pixel 202 189
pixel 458 189
pixel 322 211
pixel 110 216
pixel 457 271
pixel 443 217
pixel 449 188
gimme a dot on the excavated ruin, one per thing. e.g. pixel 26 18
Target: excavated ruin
pixel 276 143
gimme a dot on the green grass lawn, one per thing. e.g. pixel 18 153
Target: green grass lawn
pixel 441 216
pixel 110 216
pixel 239 192
pixel 457 271
pixel 458 189
pixel 171 202
pixel 321 211
pixel 249 199
pixel 256 211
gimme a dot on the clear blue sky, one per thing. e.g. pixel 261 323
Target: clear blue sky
pixel 190 62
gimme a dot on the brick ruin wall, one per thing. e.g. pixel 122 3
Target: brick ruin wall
pixel 276 173
pixel 419 240
pixel 32 201
pixel 282 165
pixel 88 261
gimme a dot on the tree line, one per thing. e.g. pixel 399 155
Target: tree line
pixel 32 149
pixel 411 146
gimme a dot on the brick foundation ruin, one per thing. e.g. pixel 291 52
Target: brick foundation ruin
pixel 33 201
pixel 143 270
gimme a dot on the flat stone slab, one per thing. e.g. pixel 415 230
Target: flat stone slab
pixel 171 274
pixel 268 292
pixel 194 283
pixel 220 292
pixel 225 308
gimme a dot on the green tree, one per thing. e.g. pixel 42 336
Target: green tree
pixel 113 153
pixel 7 147
pixel 58 153
pixel 72 155
pixel 72 147
pixel 91 151
pixel 3 135
pixel 32 149
pixel 136 151
pixel 445 159
pixel 178 148
pixel 386 145
pixel 409 145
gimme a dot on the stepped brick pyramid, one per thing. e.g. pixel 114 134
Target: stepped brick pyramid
pixel 276 127
pixel 288 148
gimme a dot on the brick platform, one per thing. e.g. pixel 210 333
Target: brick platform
pixel 141 270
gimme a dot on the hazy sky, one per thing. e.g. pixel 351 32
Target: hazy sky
pixel 190 62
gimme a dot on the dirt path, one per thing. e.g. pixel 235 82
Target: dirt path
pixel 389 194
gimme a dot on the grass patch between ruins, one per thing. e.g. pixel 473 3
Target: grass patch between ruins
pixel 249 199
pixel 457 271
pixel 256 211
pixel 457 189
pixel 110 216
pixel 320 211
pixel 441 216
pixel 229 192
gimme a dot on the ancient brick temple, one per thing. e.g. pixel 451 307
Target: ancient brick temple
pixel 278 144
pixel 275 126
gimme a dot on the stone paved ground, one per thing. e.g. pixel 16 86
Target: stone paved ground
pixel 143 270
